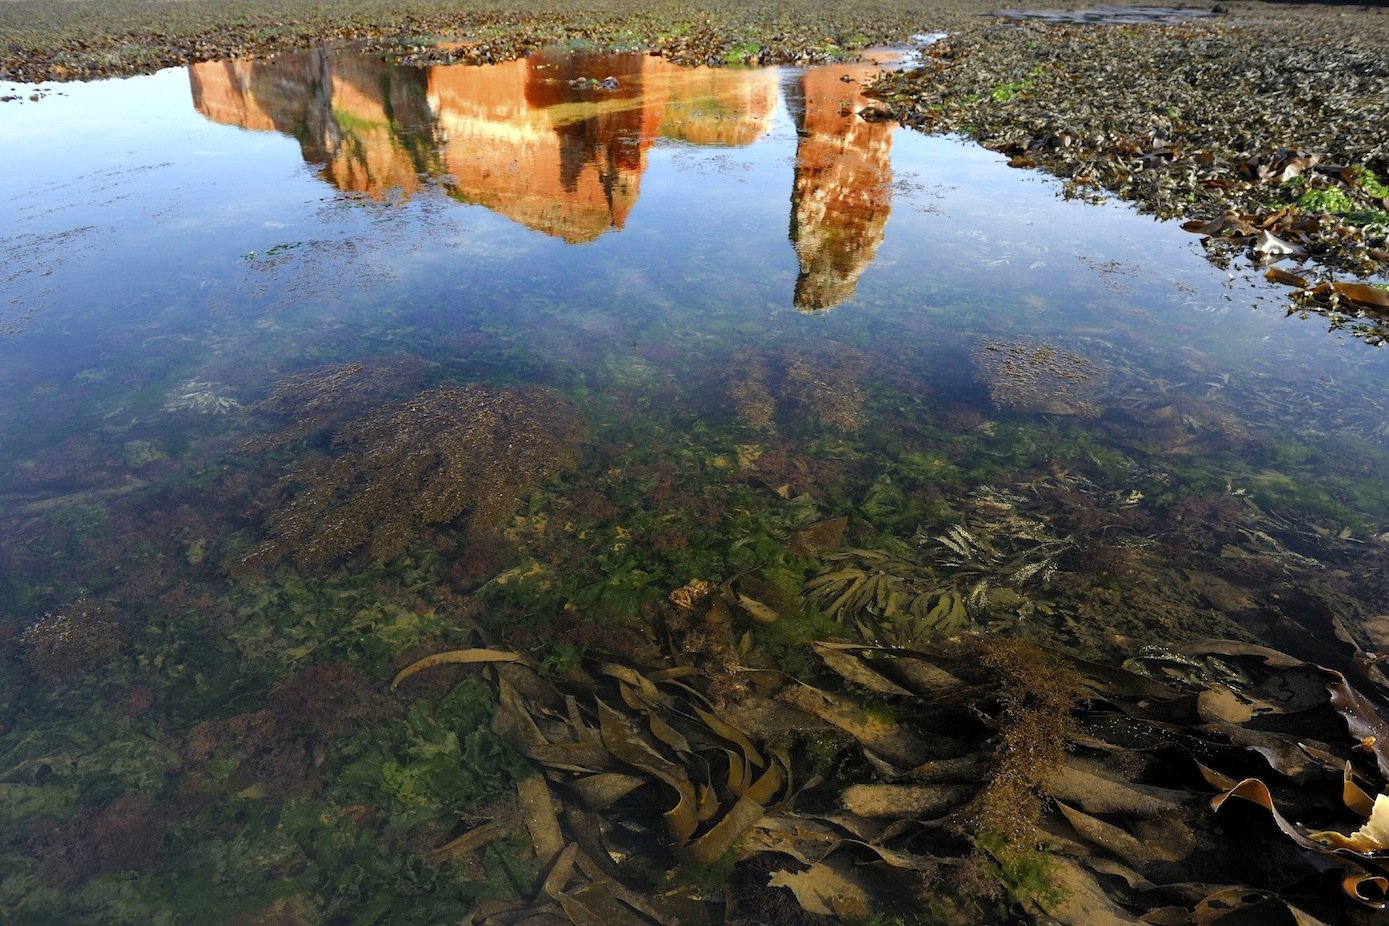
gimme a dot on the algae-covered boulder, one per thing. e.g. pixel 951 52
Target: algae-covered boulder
pixel 73 641
pixel 1039 378
pixel 447 452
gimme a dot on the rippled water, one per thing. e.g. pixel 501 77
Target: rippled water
pixel 314 365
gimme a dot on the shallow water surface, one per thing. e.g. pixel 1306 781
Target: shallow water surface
pixel 314 365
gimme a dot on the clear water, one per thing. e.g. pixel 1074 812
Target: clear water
pixel 756 311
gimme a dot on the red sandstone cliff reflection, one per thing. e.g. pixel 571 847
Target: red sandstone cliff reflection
pixel 843 188
pixel 559 141
pixel 539 140
pixel 367 124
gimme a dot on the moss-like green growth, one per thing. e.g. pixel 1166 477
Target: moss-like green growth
pixel 355 125
pixel 742 53
pixel 1364 217
pixel 712 877
pixel 561 658
pixel 1331 200
pixel 1005 91
pixel 444 760
pixel 783 643
pixel 1026 875
pixel 1370 183
pixel 1354 202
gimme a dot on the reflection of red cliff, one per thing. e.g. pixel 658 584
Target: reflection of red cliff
pixel 712 106
pixel 843 188
pixel 516 137
pixel 524 143
pixel 513 143
pixel 386 128
pixel 345 112
pixel 226 92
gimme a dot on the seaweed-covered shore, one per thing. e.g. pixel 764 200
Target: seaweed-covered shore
pixel 87 38
pixel 1262 125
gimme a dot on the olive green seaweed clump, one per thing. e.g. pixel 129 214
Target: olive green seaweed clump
pixel 426 460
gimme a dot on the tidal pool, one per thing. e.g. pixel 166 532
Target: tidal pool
pixel 313 366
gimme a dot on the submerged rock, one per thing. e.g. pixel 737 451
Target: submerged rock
pixel 74 641
pixel 1039 378
pixel 393 469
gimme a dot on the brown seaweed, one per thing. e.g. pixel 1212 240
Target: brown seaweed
pixel 73 641
pixel 393 469
pixel 1039 378
pixel 1002 770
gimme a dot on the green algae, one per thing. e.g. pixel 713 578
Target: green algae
pixel 1349 200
